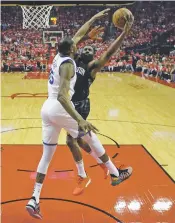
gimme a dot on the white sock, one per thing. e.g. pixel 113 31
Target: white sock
pixel 93 154
pixel 37 191
pixel 80 168
pixel 111 167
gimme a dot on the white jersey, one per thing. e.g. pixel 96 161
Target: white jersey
pixel 54 78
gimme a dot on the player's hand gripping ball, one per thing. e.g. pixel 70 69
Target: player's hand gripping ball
pixel 121 16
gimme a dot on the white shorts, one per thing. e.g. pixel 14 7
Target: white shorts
pixel 54 118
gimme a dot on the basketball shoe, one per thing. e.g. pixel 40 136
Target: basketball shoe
pixel 82 183
pixel 124 173
pixel 33 208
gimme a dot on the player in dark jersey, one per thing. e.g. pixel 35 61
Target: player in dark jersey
pixel 87 69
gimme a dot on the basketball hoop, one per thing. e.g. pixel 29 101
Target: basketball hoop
pixel 36 17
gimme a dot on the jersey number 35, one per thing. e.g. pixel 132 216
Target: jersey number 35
pixel 51 78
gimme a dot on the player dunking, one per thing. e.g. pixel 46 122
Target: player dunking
pixel 87 69
pixel 58 112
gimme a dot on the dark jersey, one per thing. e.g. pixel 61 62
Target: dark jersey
pixel 83 83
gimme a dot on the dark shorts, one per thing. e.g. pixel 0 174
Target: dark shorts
pixel 83 107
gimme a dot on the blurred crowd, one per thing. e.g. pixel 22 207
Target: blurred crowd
pixel 157 66
pixel 23 50
pixel 148 46
pixel 154 65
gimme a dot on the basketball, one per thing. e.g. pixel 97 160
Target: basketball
pixel 119 17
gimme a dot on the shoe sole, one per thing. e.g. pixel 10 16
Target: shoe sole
pixel 89 181
pixel 32 212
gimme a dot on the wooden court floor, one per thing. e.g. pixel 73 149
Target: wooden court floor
pixel 137 127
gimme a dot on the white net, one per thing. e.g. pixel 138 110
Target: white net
pixel 36 17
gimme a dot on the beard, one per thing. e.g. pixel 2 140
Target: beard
pixel 86 58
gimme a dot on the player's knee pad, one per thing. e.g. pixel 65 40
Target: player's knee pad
pixel 94 143
pixel 48 152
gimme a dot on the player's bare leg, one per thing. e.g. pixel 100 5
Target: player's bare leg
pixel 83 179
pixel 33 206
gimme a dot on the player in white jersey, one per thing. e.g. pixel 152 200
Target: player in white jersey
pixel 58 111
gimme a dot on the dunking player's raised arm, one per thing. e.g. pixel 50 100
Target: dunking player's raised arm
pixel 83 30
pixel 96 65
